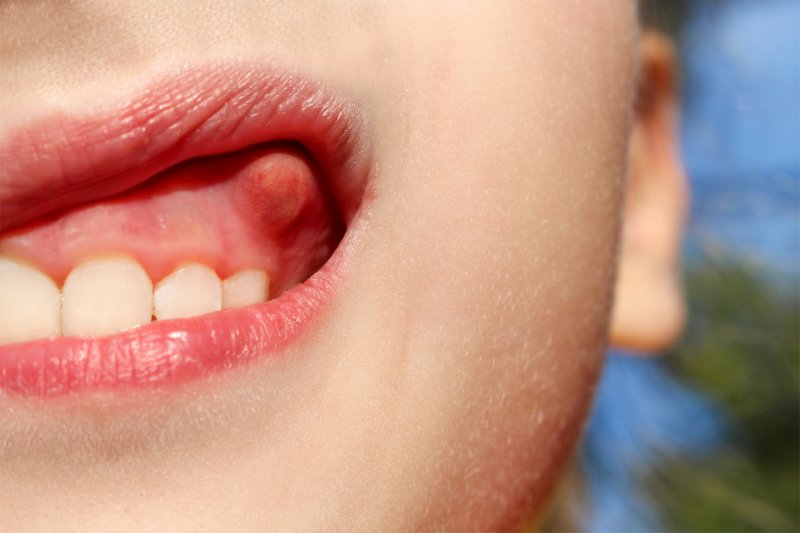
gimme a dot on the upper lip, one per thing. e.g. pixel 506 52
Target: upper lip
pixel 59 161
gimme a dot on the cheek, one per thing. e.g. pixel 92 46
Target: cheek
pixel 509 192
pixel 504 377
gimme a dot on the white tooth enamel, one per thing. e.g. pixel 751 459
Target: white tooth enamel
pixel 30 303
pixel 105 296
pixel 244 288
pixel 193 289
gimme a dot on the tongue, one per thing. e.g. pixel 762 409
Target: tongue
pixel 260 208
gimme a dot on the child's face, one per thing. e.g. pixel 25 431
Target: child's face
pixel 444 377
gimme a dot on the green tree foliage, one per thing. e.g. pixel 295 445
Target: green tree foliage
pixel 742 348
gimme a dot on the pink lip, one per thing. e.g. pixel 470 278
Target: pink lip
pixel 165 353
pixel 61 161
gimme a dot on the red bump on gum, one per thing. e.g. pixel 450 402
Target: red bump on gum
pixel 277 188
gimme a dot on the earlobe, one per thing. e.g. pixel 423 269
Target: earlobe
pixel 649 309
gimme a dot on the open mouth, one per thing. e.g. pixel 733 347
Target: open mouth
pixel 192 230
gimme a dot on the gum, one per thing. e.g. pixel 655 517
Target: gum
pixel 262 208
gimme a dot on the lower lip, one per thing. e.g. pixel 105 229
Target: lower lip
pixel 168 353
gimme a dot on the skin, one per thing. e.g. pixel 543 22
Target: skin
pixel 453 370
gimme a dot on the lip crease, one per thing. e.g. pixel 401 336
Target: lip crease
pixel 60 161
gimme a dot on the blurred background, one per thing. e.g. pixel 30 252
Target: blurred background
pixel 707 438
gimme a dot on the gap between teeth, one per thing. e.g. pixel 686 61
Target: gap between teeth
pixel 112 294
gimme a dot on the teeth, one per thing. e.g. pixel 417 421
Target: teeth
pixel 105 296
pixel 112 294
pixel 30 304
pixel 244 288
pixel 191 290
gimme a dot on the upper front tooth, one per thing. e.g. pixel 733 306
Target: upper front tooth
pixel 193 289
pixel 30 303
pixel 105 296
pixel 244 288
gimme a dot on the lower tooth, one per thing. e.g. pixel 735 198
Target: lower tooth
pixel 30 303
pixel 193 289
pixel 105 296
pixel 244 288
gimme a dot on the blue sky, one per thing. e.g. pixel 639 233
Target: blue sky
pixel 741 130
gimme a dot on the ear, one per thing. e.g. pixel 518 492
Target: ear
pixel 649 310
